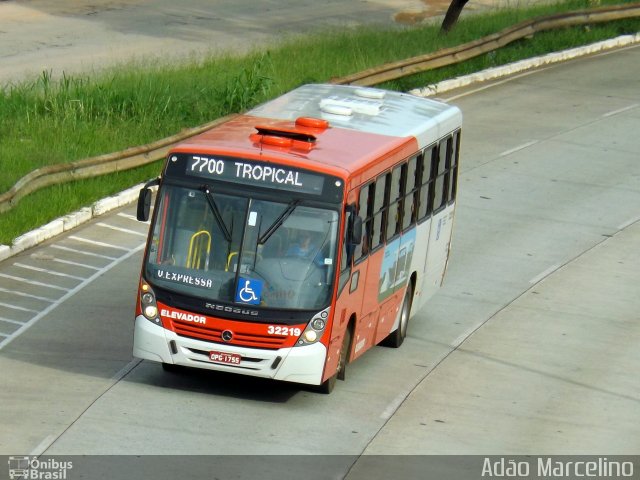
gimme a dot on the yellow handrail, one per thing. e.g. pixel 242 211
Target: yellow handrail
pixel 235 254
pixel 231 255
pixel 199 241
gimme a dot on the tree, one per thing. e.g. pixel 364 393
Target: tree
pixel 453 12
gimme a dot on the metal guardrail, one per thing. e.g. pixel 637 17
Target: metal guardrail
pixel 449 56
pixel 101 165
pixel 145 154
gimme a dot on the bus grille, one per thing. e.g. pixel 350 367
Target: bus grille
pixel 241 339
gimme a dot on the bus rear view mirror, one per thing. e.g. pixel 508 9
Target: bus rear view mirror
pixel 144 204
pixel 144 200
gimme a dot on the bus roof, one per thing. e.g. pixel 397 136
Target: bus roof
pixel 350 127
pixel 366 110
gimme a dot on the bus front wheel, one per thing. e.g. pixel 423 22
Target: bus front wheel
pixel 328 386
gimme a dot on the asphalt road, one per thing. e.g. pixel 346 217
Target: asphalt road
pixel 80 36
pixel 531 347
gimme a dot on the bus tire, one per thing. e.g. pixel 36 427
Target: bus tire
pixel 396 338
pixel 328 386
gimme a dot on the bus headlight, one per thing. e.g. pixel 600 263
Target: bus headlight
pixel 314 329
pixel 310 336
pixel 148 303
pixel 150 311
pixel 147 298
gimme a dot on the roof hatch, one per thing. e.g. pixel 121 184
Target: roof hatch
pixel 301 136
pixel 290 133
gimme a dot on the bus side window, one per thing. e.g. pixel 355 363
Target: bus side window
pixel 377 232
pixel 394 212
pixel 453 174
pixel 442 179
pixel 365 209
pixel 409 204
pixel 426 188
pixel 416 187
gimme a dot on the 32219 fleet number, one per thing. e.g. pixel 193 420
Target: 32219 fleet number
pixel 278 330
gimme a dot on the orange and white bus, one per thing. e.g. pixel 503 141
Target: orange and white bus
pixel 289 240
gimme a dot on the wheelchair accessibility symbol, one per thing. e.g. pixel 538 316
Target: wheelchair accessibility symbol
pixel 248 291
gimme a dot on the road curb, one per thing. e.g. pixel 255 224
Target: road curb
pixel 69 222
pixel 523 65
pixel 106 205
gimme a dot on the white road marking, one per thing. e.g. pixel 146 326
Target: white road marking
pixel 50 272
pixel 43 445
pixel 98 244
pixel 120 229
pixel 131 217
pixel 82 252
pixel 28 295
pixel 126 369
pixel 394 405
pixel 544 274
pixel 518 148
pixel 493 84
pixel 17 307
pixel 628 223
pixel 75 264
pixel 33 282
pixel 8 320
pixel 69 294
pixel 467 333
pixel 621 110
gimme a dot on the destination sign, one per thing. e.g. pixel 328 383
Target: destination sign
pixel 255 174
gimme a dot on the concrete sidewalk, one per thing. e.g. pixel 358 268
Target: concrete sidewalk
pixel 554 371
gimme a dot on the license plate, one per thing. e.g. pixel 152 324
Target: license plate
pixel 224 357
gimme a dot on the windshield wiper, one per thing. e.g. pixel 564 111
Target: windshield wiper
pixel 216 213
pixel 279 221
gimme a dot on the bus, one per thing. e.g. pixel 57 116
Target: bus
pixel 288 241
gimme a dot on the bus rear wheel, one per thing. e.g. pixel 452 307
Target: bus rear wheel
pixel 396 338
pixel 328 386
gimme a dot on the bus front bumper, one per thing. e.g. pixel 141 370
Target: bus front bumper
pixel 296 364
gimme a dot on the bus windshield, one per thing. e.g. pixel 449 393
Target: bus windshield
pixel 242 250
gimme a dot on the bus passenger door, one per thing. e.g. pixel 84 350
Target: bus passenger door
pixel 366 311
pixel 348 302
pixel 352 302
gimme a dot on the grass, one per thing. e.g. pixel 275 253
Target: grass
pixel 46 121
